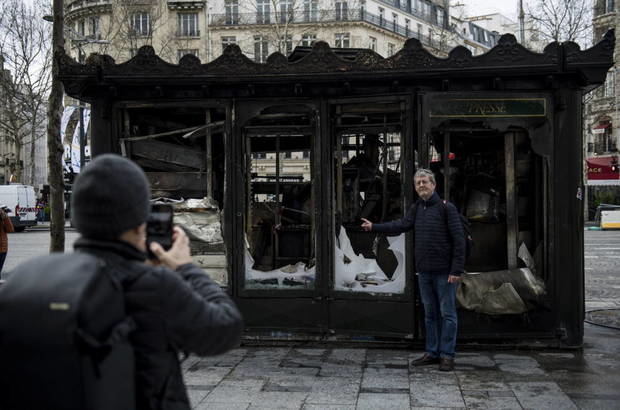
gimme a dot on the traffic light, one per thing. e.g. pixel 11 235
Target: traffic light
pixel 614 165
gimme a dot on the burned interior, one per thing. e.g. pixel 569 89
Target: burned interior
pixel 275 164
pixel 279 197
pixel 368 171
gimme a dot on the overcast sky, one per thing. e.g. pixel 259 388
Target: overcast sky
pixel 479 7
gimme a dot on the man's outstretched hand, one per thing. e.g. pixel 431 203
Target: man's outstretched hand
pixel 366 225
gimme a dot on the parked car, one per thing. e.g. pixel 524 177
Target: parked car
pixel 22 204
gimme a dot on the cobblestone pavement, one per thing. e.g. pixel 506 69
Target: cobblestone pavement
pixel 333 378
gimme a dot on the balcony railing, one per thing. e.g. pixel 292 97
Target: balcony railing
pixel 322 16
pixel 188 33
pixel 78 4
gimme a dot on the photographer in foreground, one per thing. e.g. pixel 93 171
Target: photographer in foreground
pixel 167 306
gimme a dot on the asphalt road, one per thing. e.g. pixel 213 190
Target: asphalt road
pixel 31 243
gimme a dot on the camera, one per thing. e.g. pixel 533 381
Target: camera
pixel 159 227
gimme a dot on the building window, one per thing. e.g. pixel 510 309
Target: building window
pixel 440 17
pixel 308 40
pixel 261 49
pixel 407 27
pixel 342 10
pixel 610 6
pixel 394 22
pixel 286 44
pixel 187 25
pixel 311 10
pixel 286 11
pixel 390 49
pixel 81 27
pixel 141 24
pixel 228 40
pixel 93 27
pixel 381 16
pixel 342 40
pixel 231 8
pixel 372 43
pixel 182 52
pixel 426 9
pixel 263 11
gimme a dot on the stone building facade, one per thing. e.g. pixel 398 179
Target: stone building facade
pixel 602 120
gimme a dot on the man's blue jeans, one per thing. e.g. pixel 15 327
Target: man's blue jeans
pixel 439 299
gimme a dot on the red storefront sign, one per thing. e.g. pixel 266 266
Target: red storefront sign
pixel 603 170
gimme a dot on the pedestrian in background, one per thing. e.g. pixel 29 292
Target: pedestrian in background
pixel 439 246
pixel 6 226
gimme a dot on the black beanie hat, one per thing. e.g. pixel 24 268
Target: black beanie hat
pixel 110 196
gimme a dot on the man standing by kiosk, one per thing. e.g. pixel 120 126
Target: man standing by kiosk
pixel 439 261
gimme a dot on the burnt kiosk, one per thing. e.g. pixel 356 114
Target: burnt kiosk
pixel 295 151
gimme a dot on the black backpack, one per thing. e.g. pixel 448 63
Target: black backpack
pixel 64 336
pixel 469 240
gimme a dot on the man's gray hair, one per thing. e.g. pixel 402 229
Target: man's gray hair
pixel 423 172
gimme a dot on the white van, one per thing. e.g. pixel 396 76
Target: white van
pixel 22 204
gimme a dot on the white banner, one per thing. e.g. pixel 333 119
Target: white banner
pixel 75 145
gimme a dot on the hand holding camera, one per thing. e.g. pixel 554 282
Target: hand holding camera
pixel 179 253
pixel 166 244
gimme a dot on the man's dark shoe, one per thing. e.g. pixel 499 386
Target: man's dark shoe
pixel 446 364
pixel 425 360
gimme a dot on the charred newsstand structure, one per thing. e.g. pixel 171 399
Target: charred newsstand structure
pixel 293 152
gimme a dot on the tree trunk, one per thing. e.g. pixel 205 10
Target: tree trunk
pixel 54 142
pixel 32 155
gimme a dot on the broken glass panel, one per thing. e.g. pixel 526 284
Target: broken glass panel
pixel 368 173
pixel 279 221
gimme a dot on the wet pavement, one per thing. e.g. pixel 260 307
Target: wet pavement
pixel 330 377
pixel 365 378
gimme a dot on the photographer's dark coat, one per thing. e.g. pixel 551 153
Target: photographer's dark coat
pixel 180 311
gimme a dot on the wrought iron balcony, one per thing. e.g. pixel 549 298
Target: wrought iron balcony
pixel 318 16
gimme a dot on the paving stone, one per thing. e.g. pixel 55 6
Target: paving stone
pixel 520 365
pixel 255 385
pixel 222 406
pixel 310 352
pixel 211 375
pixel 196 396
pixel 328 407
pixel 435 395
pixel 278 400
pixel 347 356
pixel 486 381
pixel 329 369
pixel 334 390
pixel 377 401
pixel 541 395
pixel 230 394
pixel 478 399
pixel 385 378
pixel 474 361
pixel 431 374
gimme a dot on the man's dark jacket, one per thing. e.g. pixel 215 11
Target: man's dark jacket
pixel 174 311
pixel 438 232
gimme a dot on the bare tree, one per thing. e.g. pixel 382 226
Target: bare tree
pixel 25 46
pixel 54 142
pixel 562 20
